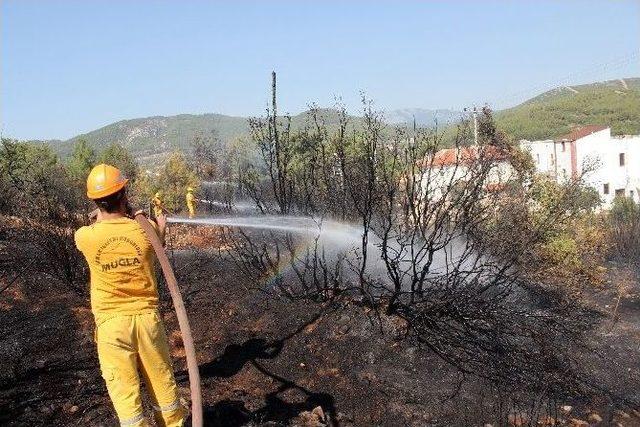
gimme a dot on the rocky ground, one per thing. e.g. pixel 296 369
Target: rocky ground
pixel 269 361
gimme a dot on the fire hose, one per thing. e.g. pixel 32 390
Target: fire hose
pixel 183 320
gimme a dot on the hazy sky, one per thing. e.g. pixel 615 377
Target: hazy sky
pixel 69 67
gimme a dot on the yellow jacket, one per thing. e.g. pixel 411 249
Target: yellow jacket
pixel 121 263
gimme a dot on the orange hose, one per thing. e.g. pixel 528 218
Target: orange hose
pixel 183 320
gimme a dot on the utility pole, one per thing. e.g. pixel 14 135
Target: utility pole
pixel 273 93
pixel 474 114
pixel 274 119
pixel 475 126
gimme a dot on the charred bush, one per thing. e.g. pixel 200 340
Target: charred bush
pixel 463 242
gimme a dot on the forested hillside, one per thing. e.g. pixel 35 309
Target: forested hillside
pixel 614 103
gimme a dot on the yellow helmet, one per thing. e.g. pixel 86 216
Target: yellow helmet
pixel 189 190
pixel 104 180
pixel 158 194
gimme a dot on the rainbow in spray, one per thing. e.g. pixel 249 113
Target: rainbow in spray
pixel 331 237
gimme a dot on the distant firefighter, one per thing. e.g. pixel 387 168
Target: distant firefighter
pixel 156 202
pixel 191 202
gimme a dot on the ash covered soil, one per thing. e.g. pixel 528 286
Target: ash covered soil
pixel 265 360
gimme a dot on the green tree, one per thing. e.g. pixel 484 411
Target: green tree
pixel 624 230
pixel 82 160
pixel 624 209
pixel 36 186
pixel 118 156
pixel 206 150
pixel 36 183
pixel 173 181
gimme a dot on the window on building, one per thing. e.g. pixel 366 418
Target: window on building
pixel 538 158
pixel 619 192
pixel 564 172
pixel 563 147
pixel 551 158
pixel 621 158
pixel 605 189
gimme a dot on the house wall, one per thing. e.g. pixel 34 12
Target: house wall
pixel 500 173
pixel 436 180
pixel 551 157
pixel 606 150
pixel 543 154
pixel 599 155
pixel 596 157
pixel 440 177
pixel 563 159
pixel 626 177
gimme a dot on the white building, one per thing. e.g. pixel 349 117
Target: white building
pixel 615 159
pixel 451 165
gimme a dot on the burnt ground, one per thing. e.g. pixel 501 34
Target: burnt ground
pixel 265 360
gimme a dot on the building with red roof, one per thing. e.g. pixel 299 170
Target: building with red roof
pixel 449 165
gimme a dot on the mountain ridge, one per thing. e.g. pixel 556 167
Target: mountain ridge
pixel 552 113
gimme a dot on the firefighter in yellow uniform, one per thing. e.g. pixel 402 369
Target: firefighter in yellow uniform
pixel 130 335
pixel 191 202
pixel 158 209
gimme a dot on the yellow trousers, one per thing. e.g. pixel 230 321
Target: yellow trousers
pixel 128 345
pixel 192 209
pixel 157 211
